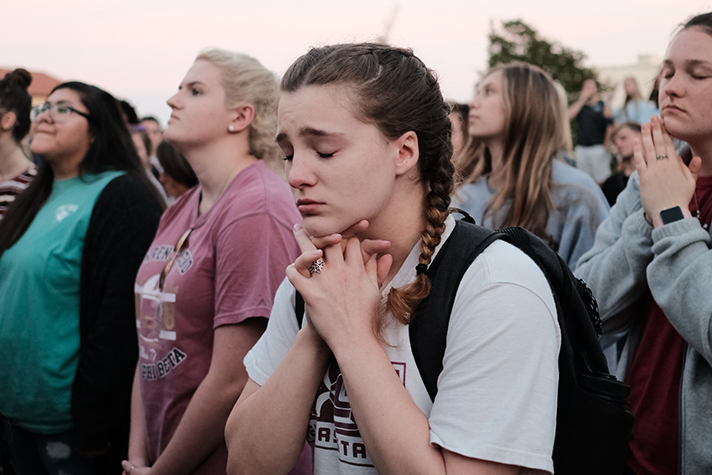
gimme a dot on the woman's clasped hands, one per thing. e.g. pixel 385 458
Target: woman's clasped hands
pixel 665 180
pixel 343 298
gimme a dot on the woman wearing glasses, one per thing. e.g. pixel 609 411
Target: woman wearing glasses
pixel 70 246
pixel 16 171
pixel 206 285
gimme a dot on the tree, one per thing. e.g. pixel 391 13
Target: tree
pixel 517 41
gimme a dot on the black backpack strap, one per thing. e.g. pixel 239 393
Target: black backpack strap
pixel 299 308
pixel 465 215
pixel 429 325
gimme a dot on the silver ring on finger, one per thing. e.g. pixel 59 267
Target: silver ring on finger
pixel 662 157
pixel 316 266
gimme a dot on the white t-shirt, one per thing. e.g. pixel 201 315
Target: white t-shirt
pixel 497 392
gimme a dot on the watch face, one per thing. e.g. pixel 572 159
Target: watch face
pixel 671 214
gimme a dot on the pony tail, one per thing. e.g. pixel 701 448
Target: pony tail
pixel 403 301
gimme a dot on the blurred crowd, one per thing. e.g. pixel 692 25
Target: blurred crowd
pixel 141 263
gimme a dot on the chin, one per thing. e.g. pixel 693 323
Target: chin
pixel 676 130
pixel 318 226
pixel 169 135
pixel 173 135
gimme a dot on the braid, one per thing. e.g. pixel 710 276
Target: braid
pixel 403 301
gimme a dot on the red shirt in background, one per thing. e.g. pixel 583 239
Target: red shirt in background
pixel 655 376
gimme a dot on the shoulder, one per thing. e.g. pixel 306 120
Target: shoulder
pixel 473 196
pixel 564 174
pixel 501 269
pixel 126 200
pixel 186 201
pixel 127 188
pixel 501 264
pixel 477 186
pixel 572 188
pixel 30 173
pixel 505 296
pixel 257 192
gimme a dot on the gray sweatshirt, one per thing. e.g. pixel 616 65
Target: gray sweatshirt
pixel 579 206
pixel 629 257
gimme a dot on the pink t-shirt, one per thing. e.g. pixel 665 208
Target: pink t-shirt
pixel 227 271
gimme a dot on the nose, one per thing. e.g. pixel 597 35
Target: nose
pixel 43 116
pixel 672 86
pixel 299 174
pixel 173 101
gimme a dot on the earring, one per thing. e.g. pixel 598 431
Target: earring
pixel 231 128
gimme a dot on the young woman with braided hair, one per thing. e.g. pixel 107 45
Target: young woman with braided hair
pixel 366 136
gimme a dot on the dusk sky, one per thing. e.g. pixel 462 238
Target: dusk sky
pixel 140 50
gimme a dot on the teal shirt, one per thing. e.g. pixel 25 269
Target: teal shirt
pixel 39 308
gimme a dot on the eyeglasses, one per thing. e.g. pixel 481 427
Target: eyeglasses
pixel 182 240
pixel 59 113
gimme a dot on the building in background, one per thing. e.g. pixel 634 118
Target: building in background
pixel 644 71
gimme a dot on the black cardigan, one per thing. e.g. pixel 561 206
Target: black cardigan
pixel 121 228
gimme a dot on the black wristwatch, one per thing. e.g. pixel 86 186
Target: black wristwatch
pixel 671 215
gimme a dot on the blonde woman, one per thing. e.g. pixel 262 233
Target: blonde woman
pixel 517 122
pixel 635 108
pixel 206 285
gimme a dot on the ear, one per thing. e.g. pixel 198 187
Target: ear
pixel 242 119
pixel 8 121
pixel 408 152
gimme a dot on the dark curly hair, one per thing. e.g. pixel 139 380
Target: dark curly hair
pixel 15 98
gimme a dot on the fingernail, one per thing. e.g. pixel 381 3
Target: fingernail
pixel 316 253
pixel 297 227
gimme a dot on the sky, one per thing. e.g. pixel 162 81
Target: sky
pixel 139 50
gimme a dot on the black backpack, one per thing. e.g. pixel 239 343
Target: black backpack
pixel 593 426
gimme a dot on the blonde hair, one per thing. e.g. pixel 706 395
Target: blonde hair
pixel 246 81
pixel 533 136
pixel 637 96
pixel 567 143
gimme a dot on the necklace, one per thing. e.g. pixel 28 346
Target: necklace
pixel 697 212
